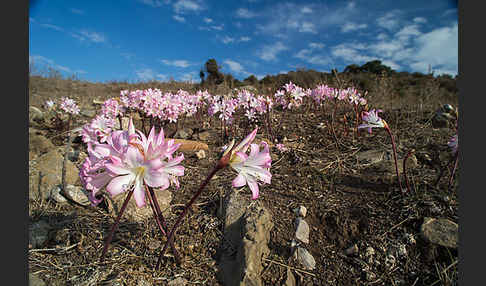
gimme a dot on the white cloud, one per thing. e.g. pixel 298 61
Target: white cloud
pixel 77 11
pixel 307 27
pixel 245 13
pixel 235 67
pixel 191 77
pixel 269 52
pixel 145 74
pixel 438 48
pixel 316 59
pixel 227 40
pixel 92 36
pixel 316 45
pixel 183 6
pixel 179 18
pixel 348 27
pixel 390 20
pixel 153 3
pixel 283 19
pixel 50 26
pixel 176 63
pixel 306 10
pixel 244 39
pixel 420 20
pixel 41 61
pixel 208 20
pixel 127 56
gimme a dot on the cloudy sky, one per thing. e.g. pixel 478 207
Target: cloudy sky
pixel 139 40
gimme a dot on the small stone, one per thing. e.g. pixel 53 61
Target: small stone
pixel 201 154
pixel 390 261
pixel 370 276
pixel 34 280
pixel 305 258
pixel 409 238
pixel 55 195
pixel 204 136
pixel 370 251
pixel 302 231
pixel 78 194
pixel 300 211
pixel 183 133
pixel 179 281
pixel 440 231
pixel 351 250
pixel 402 250
pixel 143 282
pixel 154 244
pixel 38 234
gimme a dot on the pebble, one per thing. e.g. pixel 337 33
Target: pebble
pixel 305 258
pixel 351 250
pixel 300 211
pixel 201 154
pixel 302 231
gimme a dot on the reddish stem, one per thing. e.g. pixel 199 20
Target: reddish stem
pixel 218 167
pixel 159 218
pixel 394 155
pixel 405 170
pixel 115 225
pixel 451 178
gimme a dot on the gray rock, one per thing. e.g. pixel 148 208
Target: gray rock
pixel 40 144
pixel 370 157
pixel 78 194
pixel 247 233
pixel 204 136
pixel 55 195
pixel 35 115
pixel 136 214
pixel 440 231
pixel 300 211
pixel 302 230
pixel 184 133
pixel 50 165
pixel 305 258
pixel 34 280
pixel 39 234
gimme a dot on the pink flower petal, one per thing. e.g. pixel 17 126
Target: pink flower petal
pixel 139 193
pixel 239 181
pixel 119 184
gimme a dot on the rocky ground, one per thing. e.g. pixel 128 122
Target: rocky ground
pixel 333 215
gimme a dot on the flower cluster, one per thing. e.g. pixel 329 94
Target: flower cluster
pixel 129 160
pixel 69 106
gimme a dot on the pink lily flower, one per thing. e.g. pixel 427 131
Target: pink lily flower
pixel 372 120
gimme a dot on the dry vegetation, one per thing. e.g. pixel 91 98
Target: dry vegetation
pixel 347 203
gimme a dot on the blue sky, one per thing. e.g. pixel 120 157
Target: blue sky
pixel 140 40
